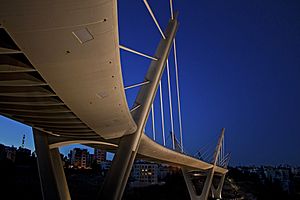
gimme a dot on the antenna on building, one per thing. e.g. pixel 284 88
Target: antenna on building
pixel 23 141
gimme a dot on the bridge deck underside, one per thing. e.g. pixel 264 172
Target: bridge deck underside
pixel 67 51
pixel 60 72
pixel 148 150
pixel 26 97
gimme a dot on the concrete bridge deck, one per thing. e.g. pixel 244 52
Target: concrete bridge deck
pixel 60 72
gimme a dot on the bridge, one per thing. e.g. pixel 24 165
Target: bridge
pixel 60 73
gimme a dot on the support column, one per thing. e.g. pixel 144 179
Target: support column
pixel 60 176
pixel 207 184
pixel 52 177
pixel 217 193
pixel 116 179
pixel 190 185
pixel 208 181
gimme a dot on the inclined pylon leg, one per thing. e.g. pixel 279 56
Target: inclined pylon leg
pixel 190 185
pixel 217 193
pixel 59 173
pixel 205 189
pixel 119 172
pixel 207 184
pixel 52 177
pixel 208 181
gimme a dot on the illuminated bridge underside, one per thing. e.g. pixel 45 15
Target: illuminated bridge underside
pixel 61 73
pixel 148 150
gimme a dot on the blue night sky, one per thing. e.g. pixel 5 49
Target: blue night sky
pixel 239 66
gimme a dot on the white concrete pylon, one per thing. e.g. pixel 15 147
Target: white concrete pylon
pixel 217 192
pixel 116 179
pixel 153 122
pixel 52 177
pixel 209 178
pixel 162 113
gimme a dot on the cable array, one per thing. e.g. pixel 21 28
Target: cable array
pixel 208 152
pixel 169 82
pixel 175 143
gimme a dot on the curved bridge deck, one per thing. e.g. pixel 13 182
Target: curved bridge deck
pixel 60 72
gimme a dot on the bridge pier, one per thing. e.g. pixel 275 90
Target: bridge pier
pixel 209 178
pixel 217 192
pixel 52 176
pixel 206 188
pixel 116 179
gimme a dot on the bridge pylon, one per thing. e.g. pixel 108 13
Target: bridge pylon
pixel 209 177
pixel 51 172
pixel 116 179
pixel 217 192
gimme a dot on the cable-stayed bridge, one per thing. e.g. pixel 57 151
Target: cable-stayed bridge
pixel 60 73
